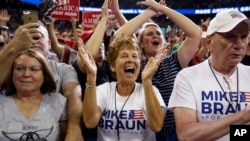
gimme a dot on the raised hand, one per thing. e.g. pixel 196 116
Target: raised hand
pixel 105 12
pixel 4 17
pixel 25 36
pixel 153 64
pixel 114 6
pixel 86 60
pixel 153 5
pixel 204 24
pixel 73 20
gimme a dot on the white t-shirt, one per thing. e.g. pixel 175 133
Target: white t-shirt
pixel 197 88
pixel 132 110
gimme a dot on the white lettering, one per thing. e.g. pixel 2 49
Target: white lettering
pixel 70 14
pixel 57 12
pixel 239 132
pixel 68 8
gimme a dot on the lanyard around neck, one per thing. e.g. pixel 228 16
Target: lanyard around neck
pixel 224 93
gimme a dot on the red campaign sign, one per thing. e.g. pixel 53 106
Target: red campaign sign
pixel 68 10
pixel 88 18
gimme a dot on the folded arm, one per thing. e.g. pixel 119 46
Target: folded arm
pixel 189 129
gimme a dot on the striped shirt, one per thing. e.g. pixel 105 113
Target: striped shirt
pixel 163 79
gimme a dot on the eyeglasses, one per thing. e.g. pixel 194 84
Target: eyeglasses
pixel 32 69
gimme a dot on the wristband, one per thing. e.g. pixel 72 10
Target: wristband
pixel 87 86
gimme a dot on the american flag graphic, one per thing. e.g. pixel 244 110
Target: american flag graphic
pixel 135 114
pixel 236 14
pixel 245 97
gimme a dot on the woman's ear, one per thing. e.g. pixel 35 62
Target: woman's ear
pixel 112 68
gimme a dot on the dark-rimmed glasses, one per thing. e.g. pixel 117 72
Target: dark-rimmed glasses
pixel 32 69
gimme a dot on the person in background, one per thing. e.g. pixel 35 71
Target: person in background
pixel 133 111
pixel 35 37
pixel 179 37
pixel 1 42
pixel 246 59
pixel 214 93
pixel 30 109
pixel 4 29
pixel 67 54
pixel 4 32
pixel 76 31
pixel 151 41
pixel 64 52
pixel 5 35
pixel 202 53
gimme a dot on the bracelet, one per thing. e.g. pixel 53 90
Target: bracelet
pixel 87 86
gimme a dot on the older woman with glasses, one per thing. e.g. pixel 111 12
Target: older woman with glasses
pixel 30 109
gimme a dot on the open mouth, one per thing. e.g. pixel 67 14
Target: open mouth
pixel 155 42
pixel 130 70
pixel 36 38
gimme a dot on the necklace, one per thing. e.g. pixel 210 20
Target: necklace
pixel 118 115
pixel 30 108
pixel 228 85
pixel 26 107
pixel 24 104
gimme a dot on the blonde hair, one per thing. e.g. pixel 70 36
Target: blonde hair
pixel 142 29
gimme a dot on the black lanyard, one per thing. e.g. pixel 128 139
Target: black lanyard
pixel 224 93
pixel 118 115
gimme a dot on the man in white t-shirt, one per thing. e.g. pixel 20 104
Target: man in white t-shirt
pixel 209 97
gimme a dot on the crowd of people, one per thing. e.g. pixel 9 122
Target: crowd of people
pixel 125 79
pixel 16 7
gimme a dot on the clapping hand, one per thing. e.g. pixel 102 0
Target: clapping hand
pixel 153 64
pixel 86 59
